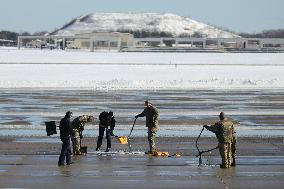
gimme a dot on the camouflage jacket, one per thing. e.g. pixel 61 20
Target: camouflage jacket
pixel 152 116
pixel 78 124
pixel 224 130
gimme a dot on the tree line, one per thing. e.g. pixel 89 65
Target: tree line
pixel 9 35
pixel 279 33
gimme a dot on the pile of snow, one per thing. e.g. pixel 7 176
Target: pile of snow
pixel 151 22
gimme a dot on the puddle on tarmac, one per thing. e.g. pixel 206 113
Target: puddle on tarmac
pixel 182 111
pixel 38 140
pixel 260 174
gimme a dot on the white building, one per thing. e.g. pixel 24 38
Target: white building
pixel 37 43
pixel 92 41
pixel 104 40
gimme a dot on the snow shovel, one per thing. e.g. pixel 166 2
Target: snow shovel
pixel 122 140
pixel 126 140
pixel 129 145
pixel 203 151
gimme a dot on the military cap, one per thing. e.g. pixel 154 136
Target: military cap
pixel 69 114
pixel 222 115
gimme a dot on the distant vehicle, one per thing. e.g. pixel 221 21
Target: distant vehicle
pixel 51 46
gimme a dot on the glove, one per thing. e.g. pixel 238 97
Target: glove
pixel 136 117
pixel 81 136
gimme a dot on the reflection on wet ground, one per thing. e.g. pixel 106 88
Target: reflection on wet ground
pixel 139 171
pixel 258 111
pixel 38 140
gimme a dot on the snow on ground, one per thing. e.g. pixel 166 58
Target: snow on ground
pixel 113 70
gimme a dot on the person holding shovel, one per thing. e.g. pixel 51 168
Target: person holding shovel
pixel 152 117
pixel 104 118
pixel 225 133
pixel 78 125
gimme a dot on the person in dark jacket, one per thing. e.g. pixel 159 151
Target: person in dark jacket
pixel 104 118
pixel 65 136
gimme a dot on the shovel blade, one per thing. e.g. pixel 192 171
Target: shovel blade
pixel 122 140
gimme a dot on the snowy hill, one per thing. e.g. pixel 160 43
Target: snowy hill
pixel 150 22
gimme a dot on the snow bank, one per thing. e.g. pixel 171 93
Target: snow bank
pixel 103 70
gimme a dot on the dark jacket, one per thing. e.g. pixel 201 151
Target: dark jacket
pixel 112 122
pixel 103 119
pixel 65 127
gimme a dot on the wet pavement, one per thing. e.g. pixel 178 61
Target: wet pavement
pixel 182 112
pixel 30 160
pixel 118 170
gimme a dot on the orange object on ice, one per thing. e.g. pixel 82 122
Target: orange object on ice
pixel 163 154
pixel 122 140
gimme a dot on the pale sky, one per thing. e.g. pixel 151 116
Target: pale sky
pixel 236 15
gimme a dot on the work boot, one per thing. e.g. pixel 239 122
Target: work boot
pixel 224 166
pixel 60 164
pixel 77 153
pixel 107 150
pixel 111 133
pixel 97 149
pixel 233 164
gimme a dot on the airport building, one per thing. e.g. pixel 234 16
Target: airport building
pixel 93 41
pixel 126 42
pixel 7 43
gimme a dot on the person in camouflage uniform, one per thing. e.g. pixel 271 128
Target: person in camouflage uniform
pixel 152 116
pixel 224 131
pixel 78 125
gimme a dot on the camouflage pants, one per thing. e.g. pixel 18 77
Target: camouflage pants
pixel 151 138
pixel 226 154
pixel 76 143
pixel 233 148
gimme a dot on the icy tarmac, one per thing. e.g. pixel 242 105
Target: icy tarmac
pixel 190 89
pixel 139 171
pixel 182 112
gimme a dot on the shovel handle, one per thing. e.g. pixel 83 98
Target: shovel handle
pixel 132 128
pixel 129 145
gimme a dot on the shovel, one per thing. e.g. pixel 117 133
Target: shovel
pixel 200 152
pixel 126 140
